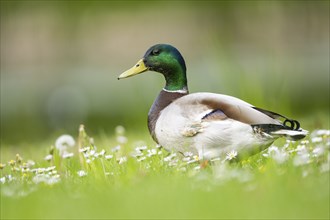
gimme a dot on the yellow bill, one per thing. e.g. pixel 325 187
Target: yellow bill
pixel 136 69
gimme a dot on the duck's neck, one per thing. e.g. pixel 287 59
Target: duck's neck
pixel 164 98
pixel 176 80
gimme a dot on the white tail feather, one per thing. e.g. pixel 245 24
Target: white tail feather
pixel 291 134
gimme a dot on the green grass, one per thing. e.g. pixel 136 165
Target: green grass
pixel 287 181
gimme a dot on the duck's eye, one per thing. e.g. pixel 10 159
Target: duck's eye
pixel 155 52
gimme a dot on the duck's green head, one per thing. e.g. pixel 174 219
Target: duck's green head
pixel 164 59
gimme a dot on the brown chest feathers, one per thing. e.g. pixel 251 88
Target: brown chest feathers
pixel 162 101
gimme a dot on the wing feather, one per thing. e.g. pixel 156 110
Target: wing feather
pixel 232 107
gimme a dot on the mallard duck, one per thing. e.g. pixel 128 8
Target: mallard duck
pixel 207 124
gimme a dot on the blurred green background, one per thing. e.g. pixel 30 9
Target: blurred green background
pixel 60 60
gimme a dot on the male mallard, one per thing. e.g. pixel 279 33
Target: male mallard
pixel 206 124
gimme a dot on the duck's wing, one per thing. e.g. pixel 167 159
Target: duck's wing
pixel 212 107
pixel 231 107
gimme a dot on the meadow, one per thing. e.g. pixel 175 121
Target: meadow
pixel 125 177
pixel 59 66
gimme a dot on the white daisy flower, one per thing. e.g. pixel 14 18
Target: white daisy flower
pixel 280 156
pixel 152 152
pixel 321 132
pixel 39 178
pixel 188 154
pixel 3 180
pixel 84 150
pixel 49 157
pixel 316 139
pixel 301 148
pixel 197 167
pixel 170 157
pixel 10 178
pixel 92 152
pixel 54 179
pixel 272 149
pixel 30 163
pixel 304 142
pixel 194 159
pixel 231 155
pixel 25 169
pixel 50 168
pixel 67 155
pixel 173 162
pixel 115 149
pixel 108 157
pixel 141 159
pixel 39 170
pixel 318 151
pixel 301 159
pixel 82 173
pixel 122 160
pixel 186 159
pixel 137 154
pixel 46 178
pixel 102 152
pixel 141 148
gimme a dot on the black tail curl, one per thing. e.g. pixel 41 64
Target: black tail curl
pixel 287 123
pixel 292 124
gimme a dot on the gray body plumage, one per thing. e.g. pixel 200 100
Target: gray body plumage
pixel 211 125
